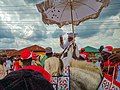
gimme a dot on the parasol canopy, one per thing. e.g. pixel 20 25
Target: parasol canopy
pixel 64 12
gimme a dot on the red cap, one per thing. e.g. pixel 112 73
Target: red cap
pixel 82 49
pixel 34 56
pixel 84 55
pixel 108 49
pixel 26 54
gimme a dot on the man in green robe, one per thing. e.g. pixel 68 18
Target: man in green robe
pixel 48 54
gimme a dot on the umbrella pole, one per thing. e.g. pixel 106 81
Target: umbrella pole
pixel 71 6
pixel 72 16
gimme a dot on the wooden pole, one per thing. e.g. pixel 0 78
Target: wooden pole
pixel 73 31
pixel 71 6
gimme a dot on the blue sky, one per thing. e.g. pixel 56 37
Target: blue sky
pixel 21 26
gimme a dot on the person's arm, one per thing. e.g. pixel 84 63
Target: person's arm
pixel 61 42
pixel 75 52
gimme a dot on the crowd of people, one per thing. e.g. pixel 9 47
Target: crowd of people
pixel 28 60
pixel 26 72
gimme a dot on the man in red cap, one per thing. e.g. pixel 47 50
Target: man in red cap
pixel 26 59
pixel 107 65
pixel 83 56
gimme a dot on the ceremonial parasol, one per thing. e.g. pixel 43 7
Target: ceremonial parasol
pixel 64 12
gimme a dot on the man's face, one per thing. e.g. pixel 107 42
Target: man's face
pixel 70 39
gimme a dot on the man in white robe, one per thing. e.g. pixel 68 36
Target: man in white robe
pixel 70 49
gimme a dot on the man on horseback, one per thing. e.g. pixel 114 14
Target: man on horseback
pixel 70 48
pixel 69 42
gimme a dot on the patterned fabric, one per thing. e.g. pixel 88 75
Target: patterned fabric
pixel 66 71
pixel 108 83
pixel 54 82
pixel 52 65
pixel 61 83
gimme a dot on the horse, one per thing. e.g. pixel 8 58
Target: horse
pixel 83 75
pixel 54 66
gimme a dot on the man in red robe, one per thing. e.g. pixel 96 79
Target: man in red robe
pixel 26 59
pixel 107 65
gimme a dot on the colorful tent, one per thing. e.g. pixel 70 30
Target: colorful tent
pixel 91 49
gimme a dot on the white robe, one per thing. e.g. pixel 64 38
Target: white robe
pixel 69 48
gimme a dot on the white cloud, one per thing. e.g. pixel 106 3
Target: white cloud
pixel 106 36
pixel 26 26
